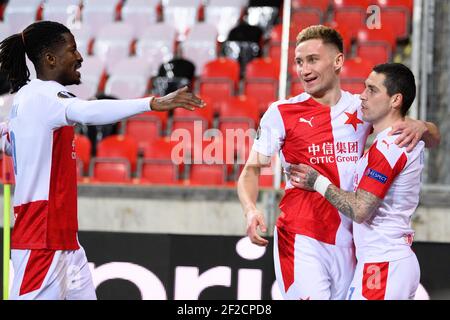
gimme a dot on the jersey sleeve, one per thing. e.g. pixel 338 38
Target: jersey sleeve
pixel 383 167
pixel 99 112
pixel 271 132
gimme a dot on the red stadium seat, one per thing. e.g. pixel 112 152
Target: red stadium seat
pixel 355 68
pixel 321 5
pixel 119 147
pixel 219 78
pixel 275 42
pixel 146 127
pixel 239 113
pixel 398 18
pixel 113 170
pixel 207 174
pixel 376 45
pixel 83 150
pixel 158 165
pixel 188 120
pixel 354 73
pixel 404 4
pixel 351 14
pixel 306 17
pixel 261 81
pixel 212 168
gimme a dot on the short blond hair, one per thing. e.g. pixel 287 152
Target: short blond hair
pixel 326 34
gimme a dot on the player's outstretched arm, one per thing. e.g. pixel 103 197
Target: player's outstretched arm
pixel 412 131
pixel 358 206
pixel 248 194
pixel 99 112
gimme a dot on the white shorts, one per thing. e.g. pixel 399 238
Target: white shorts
pixel 51 275
pixel 393 280
pixel 308 269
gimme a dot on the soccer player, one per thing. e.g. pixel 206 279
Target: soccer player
pixel 387 183
pixel 313 242
pixel 48 261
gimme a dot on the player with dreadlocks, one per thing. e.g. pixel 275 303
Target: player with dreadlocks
pixel 48 261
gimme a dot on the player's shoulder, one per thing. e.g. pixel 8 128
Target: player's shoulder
pixel 350 99
pixel 291 101
pixel 386 145
pixel 49 90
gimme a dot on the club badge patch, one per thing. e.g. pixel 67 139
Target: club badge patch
pixel 66 94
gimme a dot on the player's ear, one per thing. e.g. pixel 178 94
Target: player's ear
pixel 397 101
pixel 49 59
pixel 338 61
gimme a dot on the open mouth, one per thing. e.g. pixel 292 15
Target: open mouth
pixel 310 80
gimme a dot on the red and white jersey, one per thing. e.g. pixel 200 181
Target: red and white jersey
pixel 331 140
pixel 394 175
pixel 45 197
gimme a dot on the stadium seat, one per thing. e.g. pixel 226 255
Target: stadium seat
pixel 212 169
pixel 261 81
pixel 207 174
pixel 376 45
pixel 98 13
pixel 274 44
pixel 354 73
pixel 113 42
pixel 305 17
pixel 66 12
pixel 157 42
pixel 200 119
pixel 397 14
pixel 321 5
pixel 355 68
pixel 405 4
pixel 20 13
pixel 157 165
pixel 84 37
pixel 119 147
pixel 219 78
pixel 351 14
pixel 112 170
pixel 146 128
pixel 182 14
pixel 141 14
pixel 200 45
pixel 238 113
pixel 224 15
pixel 83 150
pixel 129 78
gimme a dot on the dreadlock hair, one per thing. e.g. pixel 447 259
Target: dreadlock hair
pixel 34 41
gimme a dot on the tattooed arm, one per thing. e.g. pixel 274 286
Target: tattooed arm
pixel 358 206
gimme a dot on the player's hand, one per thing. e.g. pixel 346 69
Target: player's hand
pixel 302 176
pixel 181 98
pixel 255 220
pixel 411 131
